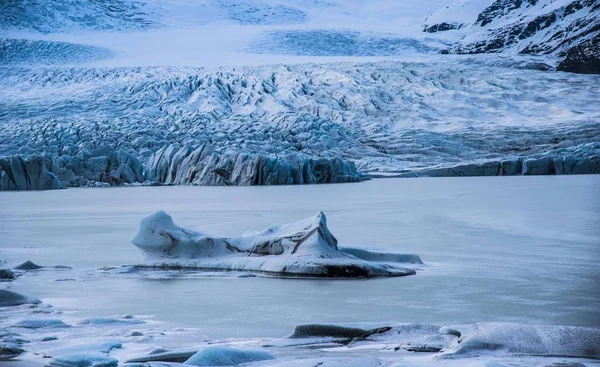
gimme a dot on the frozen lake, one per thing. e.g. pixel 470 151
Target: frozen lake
pixel 520 249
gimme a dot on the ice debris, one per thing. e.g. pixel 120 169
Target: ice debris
pixel 10 351
pixel 10 298
pixel 303 248
pixel 41 323
pixel 83 360
pixel 219 355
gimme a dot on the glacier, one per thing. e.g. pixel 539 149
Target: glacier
pixel 304 248
pixel 305 123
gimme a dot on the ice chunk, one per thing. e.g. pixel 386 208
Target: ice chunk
pixel 83 360
pixel 303 248
pixel 541 340
pixel 164 356
pixel 73 348
pixel 10 298
pixel 334 331
pixel 225 356
pixel 6 274
pixel 9 351
pixel 41 323
pixel 125 320
pixel 382 256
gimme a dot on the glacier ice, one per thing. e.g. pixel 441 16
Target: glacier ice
pixel 9 351
pixel 83 360
pixel 30 52
pixel 108 126
pixel 41 323
pixel 203 166
pixel 541 340
pixel 303 248
pixel 219 355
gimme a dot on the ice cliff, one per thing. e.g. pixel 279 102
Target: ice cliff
pixel 303 248
pixel 203 166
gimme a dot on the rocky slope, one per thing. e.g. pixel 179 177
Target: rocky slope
pixel 566 29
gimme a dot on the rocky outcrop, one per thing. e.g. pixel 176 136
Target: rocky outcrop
pixel 204 166
pixel 583 58
pixel 536 27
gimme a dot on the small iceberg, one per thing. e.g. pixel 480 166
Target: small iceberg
pixel 219 355
pixel 83 360
pixel 41 323
pixel 304 248
pixel 10 298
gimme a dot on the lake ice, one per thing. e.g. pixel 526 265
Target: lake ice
pixel 521 249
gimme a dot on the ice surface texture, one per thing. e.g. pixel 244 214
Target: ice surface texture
pixel 30 52
pixel 385 117
pixel 303 248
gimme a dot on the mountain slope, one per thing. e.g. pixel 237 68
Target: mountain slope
pixel 567 29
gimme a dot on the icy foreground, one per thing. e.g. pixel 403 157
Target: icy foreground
pixel 303 248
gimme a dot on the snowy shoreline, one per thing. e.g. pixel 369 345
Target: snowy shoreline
pixel 34 334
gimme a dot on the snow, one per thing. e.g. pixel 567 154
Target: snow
pixel 302 248
pixel 224 356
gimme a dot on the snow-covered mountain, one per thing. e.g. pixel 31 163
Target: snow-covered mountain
pixel 568 29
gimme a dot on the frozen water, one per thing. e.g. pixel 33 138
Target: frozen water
pixel 10 298
pixel 302 248
pixel 224 356
pixel 544 230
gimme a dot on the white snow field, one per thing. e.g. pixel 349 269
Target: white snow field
pixel 270 92
pixel 507 261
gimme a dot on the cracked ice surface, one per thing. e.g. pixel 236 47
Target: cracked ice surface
pixel 391 117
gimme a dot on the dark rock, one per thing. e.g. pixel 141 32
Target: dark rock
pixel 6 274
pixel 583 58
pixel 28 265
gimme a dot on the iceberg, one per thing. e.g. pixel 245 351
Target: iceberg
pixel 303 248
pixel 83 360
pixel 41 323
pixel 219 355
pixel 10 351
pixel 540 340
pixel 10 298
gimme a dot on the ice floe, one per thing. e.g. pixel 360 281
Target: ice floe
pixel 303 248
pixel 10 298
pixel 40 323
pixel 225 356
pixel 83 360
